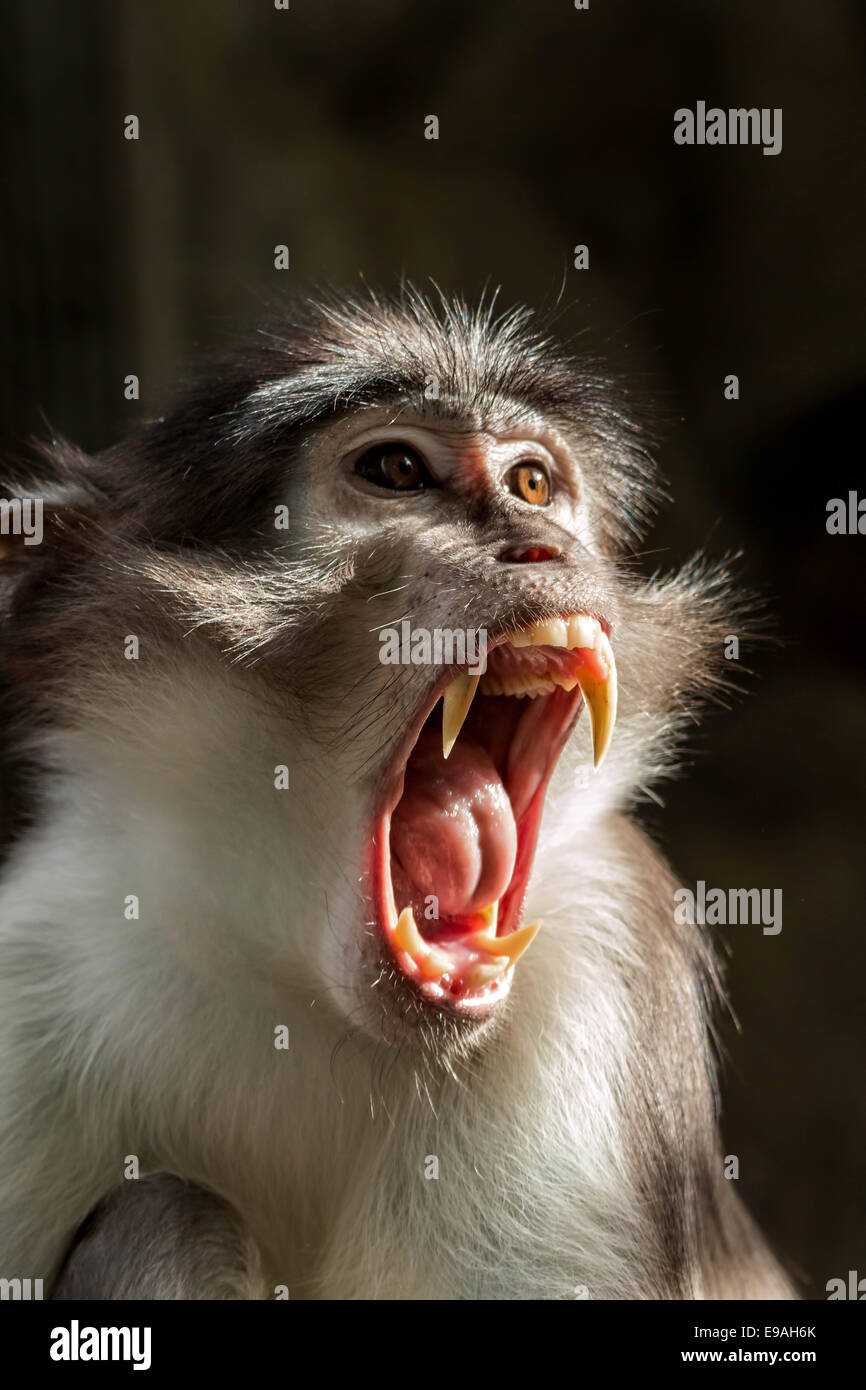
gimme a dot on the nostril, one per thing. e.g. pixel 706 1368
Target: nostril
pixel 529 554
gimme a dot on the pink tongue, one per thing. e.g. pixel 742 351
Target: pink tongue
pixel 453 830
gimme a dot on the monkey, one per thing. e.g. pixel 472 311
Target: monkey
pixel 335 961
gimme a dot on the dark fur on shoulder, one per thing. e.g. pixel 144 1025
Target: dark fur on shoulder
pixel 161 1237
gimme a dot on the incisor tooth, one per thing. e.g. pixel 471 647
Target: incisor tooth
pixel 511 946
pixel 582 630
pixel 600 697
pixel 552 633
pixel 455 707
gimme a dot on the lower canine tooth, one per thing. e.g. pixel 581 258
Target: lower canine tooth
pixel 456 703
pixel 432 963
pixel 408 937
pixel 600 697
pixel 511 946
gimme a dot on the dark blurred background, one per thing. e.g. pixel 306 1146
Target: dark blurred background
pixel 306 127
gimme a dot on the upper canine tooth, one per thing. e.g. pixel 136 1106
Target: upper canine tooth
pixel 520 639
pixel 511 946
pixel 552 633
pixel 455 706
pixel 600 697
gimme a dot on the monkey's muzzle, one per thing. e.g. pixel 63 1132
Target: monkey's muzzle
pixel 454 846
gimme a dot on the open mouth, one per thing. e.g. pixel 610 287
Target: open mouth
pixel 454 844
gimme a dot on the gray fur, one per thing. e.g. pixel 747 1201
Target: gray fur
pixel 159 1237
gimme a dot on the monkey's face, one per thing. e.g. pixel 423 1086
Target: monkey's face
pixel 342 736
pixel 474 627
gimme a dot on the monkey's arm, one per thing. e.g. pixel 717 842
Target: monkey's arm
pixel 161 1238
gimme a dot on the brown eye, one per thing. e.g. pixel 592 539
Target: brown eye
pixel 530 481
pixel 394 466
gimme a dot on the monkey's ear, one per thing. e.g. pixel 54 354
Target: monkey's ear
pixel 34 527
pixel 48 519
pixel 45 530
pixel 53 511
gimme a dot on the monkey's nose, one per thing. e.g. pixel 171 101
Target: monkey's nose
pixel 529 554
